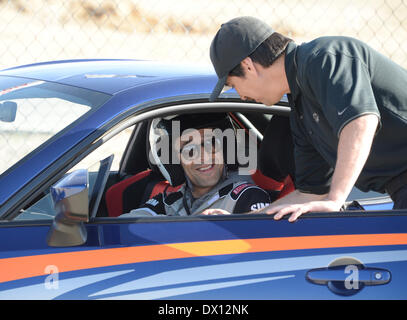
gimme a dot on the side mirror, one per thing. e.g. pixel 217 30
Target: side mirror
pixel 71 201
pixel 8 111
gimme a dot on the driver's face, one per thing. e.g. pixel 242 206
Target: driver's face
pixel 201 159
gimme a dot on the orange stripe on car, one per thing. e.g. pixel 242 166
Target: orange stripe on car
pixel 31 266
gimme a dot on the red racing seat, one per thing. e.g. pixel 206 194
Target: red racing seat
pixel 128 194
pixel 282 188
pixel 125 195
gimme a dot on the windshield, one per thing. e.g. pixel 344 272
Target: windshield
pixel 32 111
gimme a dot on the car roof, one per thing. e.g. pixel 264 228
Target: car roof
pixel 109 76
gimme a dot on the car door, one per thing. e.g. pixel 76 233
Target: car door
pixel 330 256
pixel 335 256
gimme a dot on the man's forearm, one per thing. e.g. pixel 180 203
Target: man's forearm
pixel 353 150
pixel 354 146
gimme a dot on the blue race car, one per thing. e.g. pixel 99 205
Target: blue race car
pixel 73 136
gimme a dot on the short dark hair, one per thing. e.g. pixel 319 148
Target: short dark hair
pixel 265 54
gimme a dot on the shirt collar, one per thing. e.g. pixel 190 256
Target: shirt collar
pixel 291 70
pixel 188 188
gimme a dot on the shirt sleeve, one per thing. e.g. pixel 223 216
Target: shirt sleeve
pixel 313 174
pixel 153 207
pixel 342 86
pixel 251 198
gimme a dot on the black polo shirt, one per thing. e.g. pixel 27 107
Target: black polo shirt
pixel 334 80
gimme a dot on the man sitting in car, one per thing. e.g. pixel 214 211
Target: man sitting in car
pixel 207 180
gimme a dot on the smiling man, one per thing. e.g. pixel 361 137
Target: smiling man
pixel 349 110
pixel 204 165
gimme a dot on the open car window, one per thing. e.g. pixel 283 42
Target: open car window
pixel 129 147
pixel 43 208
pixel 258 123
pixel 32 112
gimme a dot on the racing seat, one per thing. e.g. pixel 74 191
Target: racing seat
pixel 276 189
pixel 276 167
pixel 125 195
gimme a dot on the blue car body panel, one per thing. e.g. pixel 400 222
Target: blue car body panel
pixel 209 259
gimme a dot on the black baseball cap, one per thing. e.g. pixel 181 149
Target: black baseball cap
pixel 235 40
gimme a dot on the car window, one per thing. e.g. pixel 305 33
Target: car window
pixel 115 146
pixel 44 209
pixel 357 194
pixel 31 112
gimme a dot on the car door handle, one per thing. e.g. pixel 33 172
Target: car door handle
pixel 365 276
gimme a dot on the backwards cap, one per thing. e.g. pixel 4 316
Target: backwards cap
pixel 235 40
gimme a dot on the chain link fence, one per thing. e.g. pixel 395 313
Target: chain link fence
pixel 181 30
pixel 168 30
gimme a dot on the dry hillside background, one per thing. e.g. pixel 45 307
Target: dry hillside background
pixel 181 30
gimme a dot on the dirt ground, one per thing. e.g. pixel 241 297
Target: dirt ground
pixel 181 30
